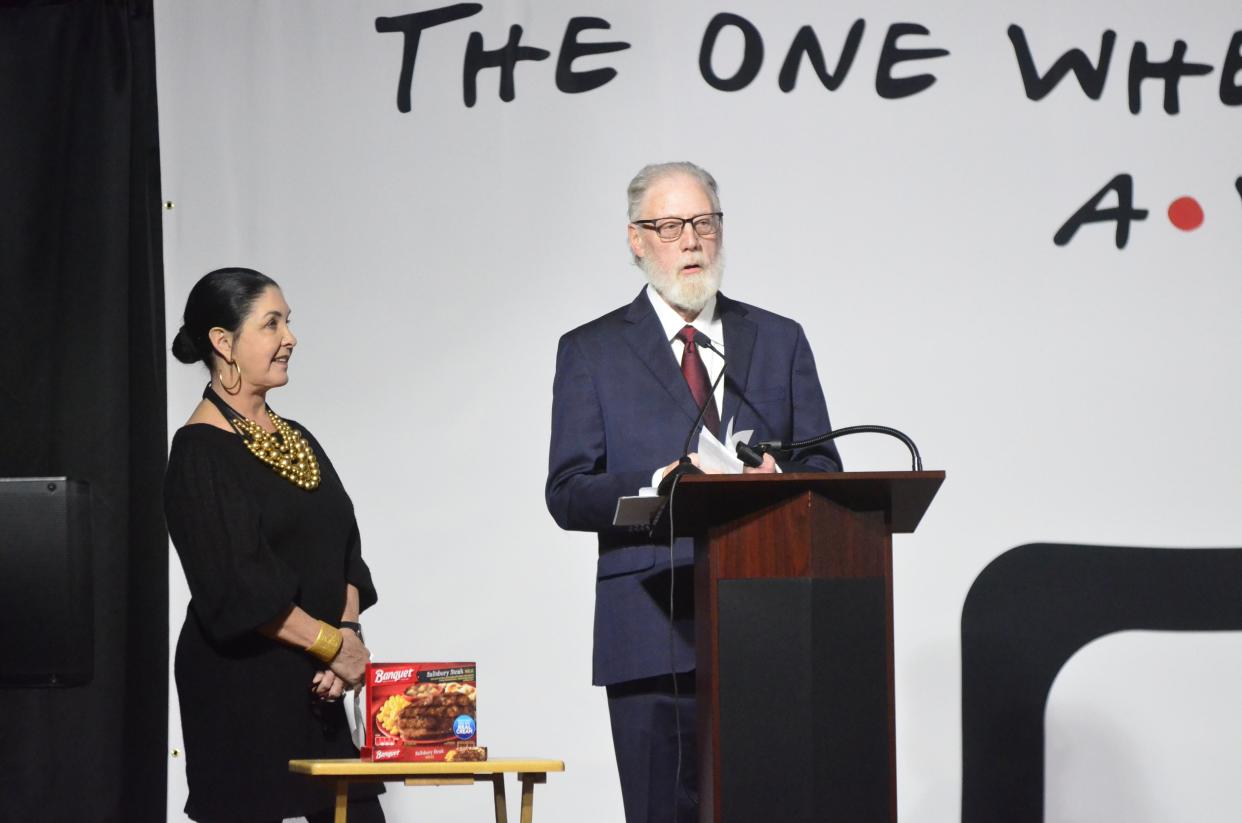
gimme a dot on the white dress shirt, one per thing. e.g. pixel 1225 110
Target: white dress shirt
pixel 707 322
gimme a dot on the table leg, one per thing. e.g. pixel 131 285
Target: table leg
pixel 498 795
pixel 342 801
pixel 528 793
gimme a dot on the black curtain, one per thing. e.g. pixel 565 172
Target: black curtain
pixel 82 388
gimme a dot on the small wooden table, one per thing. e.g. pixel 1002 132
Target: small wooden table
pixel 529 772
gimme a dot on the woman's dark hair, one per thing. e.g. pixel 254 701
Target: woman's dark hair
pixel 221 298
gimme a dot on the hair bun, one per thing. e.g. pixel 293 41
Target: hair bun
pixel 183 347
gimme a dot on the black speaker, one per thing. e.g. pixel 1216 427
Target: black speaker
pixel 46 582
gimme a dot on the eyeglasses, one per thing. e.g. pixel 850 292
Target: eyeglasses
pixel 669 229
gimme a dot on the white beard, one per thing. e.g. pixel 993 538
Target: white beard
pixel 689 292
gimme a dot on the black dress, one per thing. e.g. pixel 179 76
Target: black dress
pixel 251 543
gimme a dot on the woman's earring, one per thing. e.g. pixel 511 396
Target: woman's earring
pixel 236 387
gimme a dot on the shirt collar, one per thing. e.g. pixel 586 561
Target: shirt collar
pixel 708 321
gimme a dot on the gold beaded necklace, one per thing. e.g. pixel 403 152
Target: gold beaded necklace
pixel 285 450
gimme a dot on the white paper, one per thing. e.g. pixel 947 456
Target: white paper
pixel 718 458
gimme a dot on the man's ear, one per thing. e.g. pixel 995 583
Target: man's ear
pixel 636 241
pixel 222 341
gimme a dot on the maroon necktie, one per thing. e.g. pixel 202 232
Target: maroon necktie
pixel 695 372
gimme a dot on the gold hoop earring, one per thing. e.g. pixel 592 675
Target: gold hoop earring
pixel 236 387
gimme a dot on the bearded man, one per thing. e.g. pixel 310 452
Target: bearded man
pixel 628 387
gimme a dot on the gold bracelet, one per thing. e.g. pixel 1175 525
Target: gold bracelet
pixel 327 643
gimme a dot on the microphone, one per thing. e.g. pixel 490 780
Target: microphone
pixel 753 455
pixel 704 342
pixel 684 466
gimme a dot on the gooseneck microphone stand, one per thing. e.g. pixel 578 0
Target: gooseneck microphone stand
pixel 753 455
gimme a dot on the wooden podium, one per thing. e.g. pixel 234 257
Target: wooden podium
pixel 794 636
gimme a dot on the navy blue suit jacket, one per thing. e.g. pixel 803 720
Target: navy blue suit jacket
pixel 620 409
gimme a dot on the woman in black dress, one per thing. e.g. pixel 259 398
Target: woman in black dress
pixel 268 541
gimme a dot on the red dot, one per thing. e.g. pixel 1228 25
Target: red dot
pixel 1186 213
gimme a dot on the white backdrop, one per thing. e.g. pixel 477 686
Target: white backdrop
pixel 432 259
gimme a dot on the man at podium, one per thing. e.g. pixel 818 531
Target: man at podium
pixel 628 387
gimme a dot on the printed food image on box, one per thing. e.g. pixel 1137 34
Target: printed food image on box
pixel 422 711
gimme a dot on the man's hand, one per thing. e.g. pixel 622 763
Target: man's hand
pixel 767 467
pixel 694 458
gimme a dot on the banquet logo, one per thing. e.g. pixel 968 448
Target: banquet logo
pixel 393 676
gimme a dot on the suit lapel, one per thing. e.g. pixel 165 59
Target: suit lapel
pixel 645 336
pixel 739 340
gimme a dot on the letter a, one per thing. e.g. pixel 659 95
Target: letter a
pixel 1123 213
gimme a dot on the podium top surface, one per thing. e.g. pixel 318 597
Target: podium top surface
pixel 705 500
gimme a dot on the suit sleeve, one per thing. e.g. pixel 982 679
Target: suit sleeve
pixel 581 493
pixel 810 414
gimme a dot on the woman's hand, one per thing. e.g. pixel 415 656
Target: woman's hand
pixel 299 629
pixel 350 663
pixel 327 686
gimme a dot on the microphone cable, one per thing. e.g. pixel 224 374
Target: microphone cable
pixel 683 467
pixel 672 657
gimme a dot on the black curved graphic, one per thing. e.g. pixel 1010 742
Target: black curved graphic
pixel 1029 611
